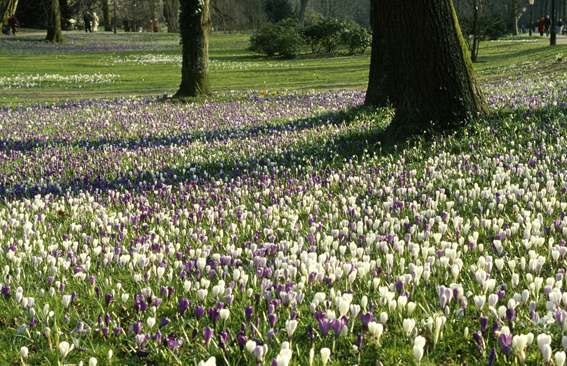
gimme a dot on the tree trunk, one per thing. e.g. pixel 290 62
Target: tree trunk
pixel 195 24
pixel 432 84
pixel 106 15
pixel 171 14
pixel 474 47
pixel 152 5
pixel 513 16
pixel 377 92
pixel 54 33
pixel 301 16
pixel 8 6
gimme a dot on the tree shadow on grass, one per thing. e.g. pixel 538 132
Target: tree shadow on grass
pixel 342 147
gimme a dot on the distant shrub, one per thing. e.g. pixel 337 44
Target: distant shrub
pixel 283 39
pixel 325 34
pixel 356 39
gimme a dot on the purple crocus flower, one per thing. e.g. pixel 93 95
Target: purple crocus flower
pixel 510 315
pixel 365 319
pixel 505 342
pixel 33 322
pixel 359 342
pixel 248 312
pixel 165 321
pixel 158 337
pixel 97 290
pixel 324 326
pixel 337 326
pixel 6 291
pixel 241 339
pixel 142 353
pixel 477 336
pixel 136 328
pixel 483 324
pixel 117 331
pixel 105 332
pixel 214 315
pixel 182 306
pixel 272 319
pixel 108 298
pixel 207 334
pixel 73 297
pixel 492 357
pixel 199 312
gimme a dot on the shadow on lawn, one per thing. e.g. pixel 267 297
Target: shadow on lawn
pixel 343 147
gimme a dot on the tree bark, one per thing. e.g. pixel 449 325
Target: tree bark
pixel 431 85
pixel 195 24
pixel 302 7
pixel 171 14
pixel 106 15
pixel 474 47
pixel 8 6
pixel 377 91
pixel 54 33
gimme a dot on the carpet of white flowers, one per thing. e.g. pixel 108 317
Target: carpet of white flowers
pixel 275 230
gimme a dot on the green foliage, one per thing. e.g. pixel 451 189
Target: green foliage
pixel 356 39
pixel 278 10
pixel 325 34
pixel 283 39
pixel 488 27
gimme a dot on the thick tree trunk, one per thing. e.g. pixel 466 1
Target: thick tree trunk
pixel 8 6
pixel 54 33
pixel 377 92
pixel 195 24
pixel 106 15
pixel 171 14
pixel 302 7
pixel 432 84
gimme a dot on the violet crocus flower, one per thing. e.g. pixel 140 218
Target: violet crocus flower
pixel 137 328
pixel 214 315
pixel 199 312
pixel 158 337
pixel 324 326
pixel 483 324
pixel 477 336
pixel 241 339
pixel 142 353
pixel 165 321
pixel 365 319
pixel 248 312
pixel 207 334
pixel 182 306
pixel 33 322
pixel 337 326
pixel 6 291
pixel 108 298
pixel 272 319
pixel 359 342
pixel 492 357
pixel 510 315
pixel 505 342
pixel 117 331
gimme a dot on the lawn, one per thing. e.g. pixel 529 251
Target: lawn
pixel 107 66
pixel 269 226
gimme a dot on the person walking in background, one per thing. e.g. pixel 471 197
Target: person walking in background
pixel 13 24
pixel 95 22
pixel 87 20
pixel 125 23
pixel 6 24
pixel 547 23
pixel 156 26
pixel 151 26
pixel 559 27
pixel 541 27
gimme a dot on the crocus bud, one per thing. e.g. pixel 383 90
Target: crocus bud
pixel 325 353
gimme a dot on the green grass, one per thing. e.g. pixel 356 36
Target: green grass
pixel 233 68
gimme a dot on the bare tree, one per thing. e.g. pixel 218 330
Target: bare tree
pixel 8 6
pixel 171 14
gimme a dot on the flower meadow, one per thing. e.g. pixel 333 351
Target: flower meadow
pixel 273 229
